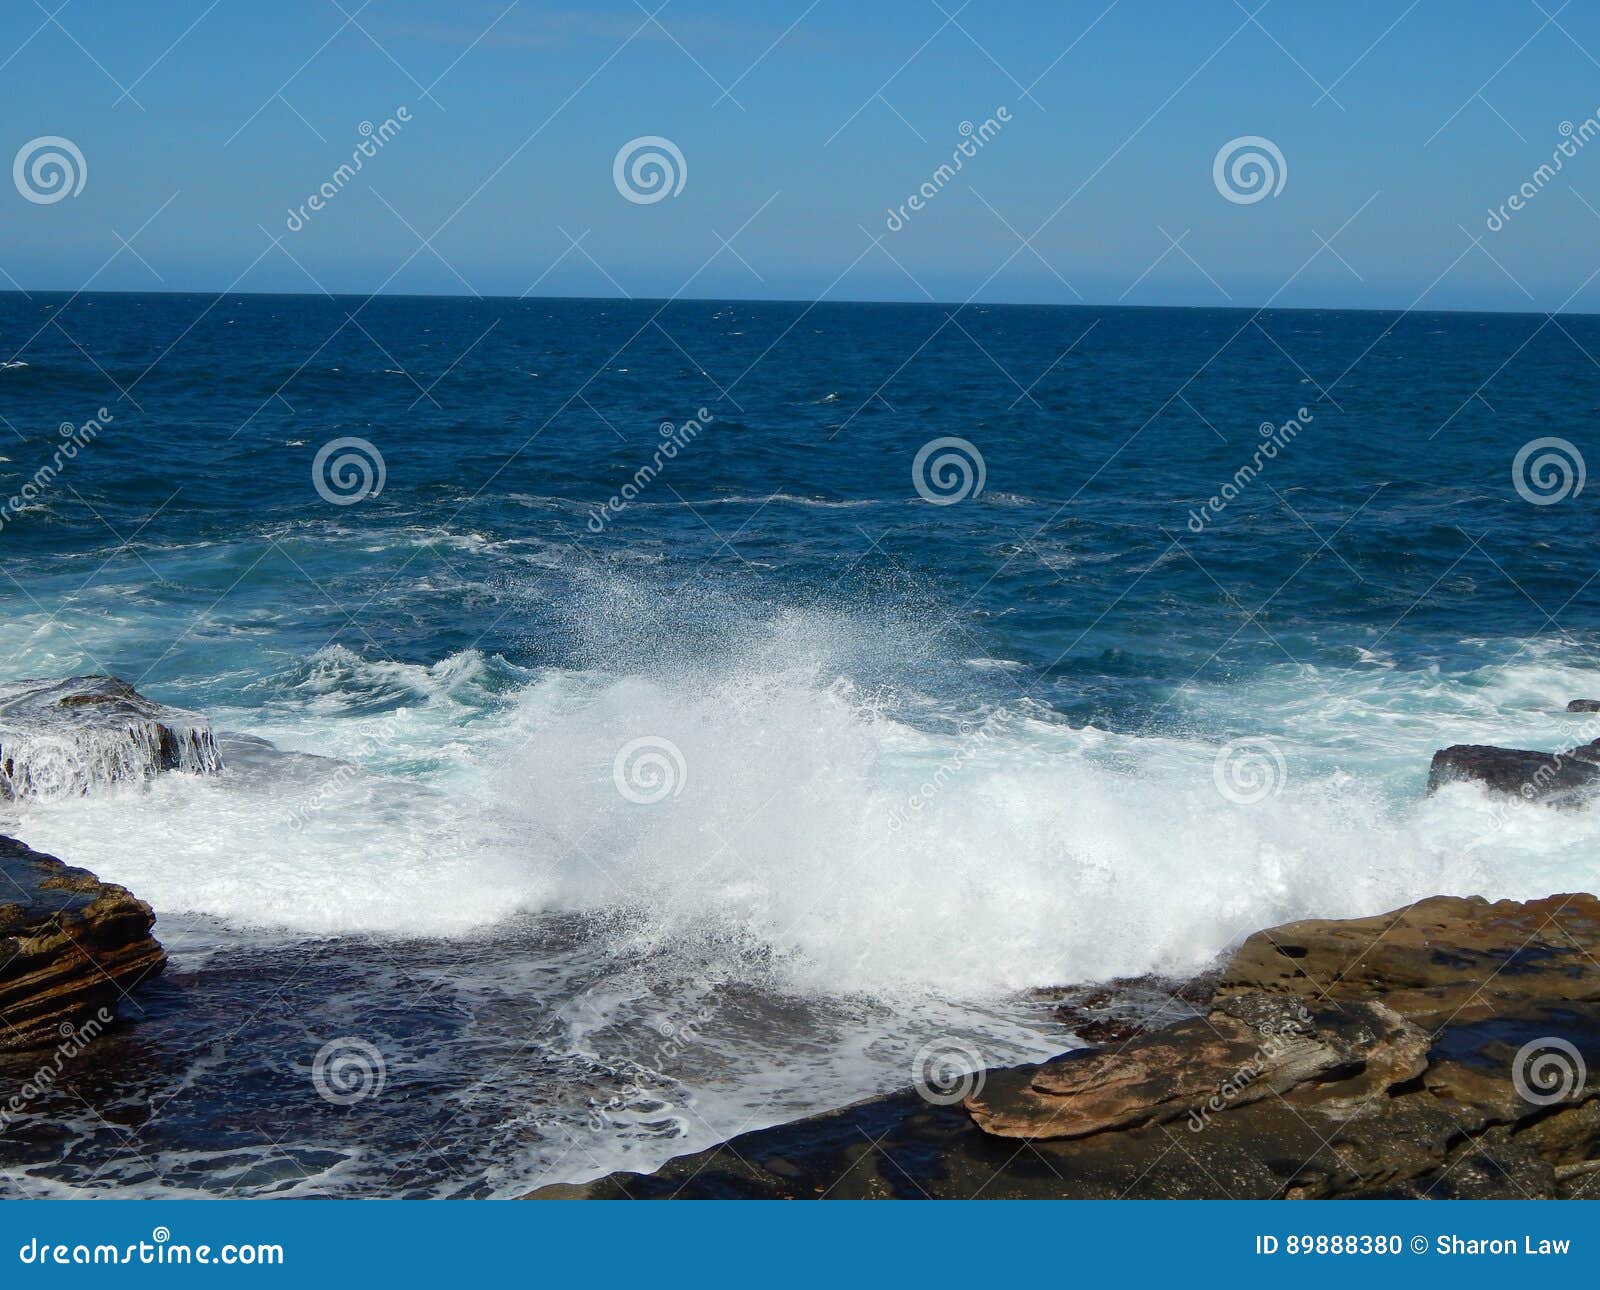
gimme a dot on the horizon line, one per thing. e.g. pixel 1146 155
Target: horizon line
pixel 796 300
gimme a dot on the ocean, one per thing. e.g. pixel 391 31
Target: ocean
pixel 653 721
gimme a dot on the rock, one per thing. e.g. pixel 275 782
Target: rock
pixel 1556 779
pixel 69 946
pixel 1252 1047
pixel 1441 1050
pixel 1444 955
pixel 1584 705
pixel 63 738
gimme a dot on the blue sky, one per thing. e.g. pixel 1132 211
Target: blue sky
pixel 1401 125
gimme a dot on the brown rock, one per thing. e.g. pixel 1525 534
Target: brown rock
pixel 1439 956
pixel 69 946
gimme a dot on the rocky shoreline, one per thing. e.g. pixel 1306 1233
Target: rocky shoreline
pixel 1437 1051
pixel 1440 1050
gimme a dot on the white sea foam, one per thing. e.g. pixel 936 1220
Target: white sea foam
pixel 836 826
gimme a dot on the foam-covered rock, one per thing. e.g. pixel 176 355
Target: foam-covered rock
pixel 67 737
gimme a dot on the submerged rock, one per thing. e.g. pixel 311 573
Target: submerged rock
pixel 1442 1050
pixel 70 945
pixel 62 738
pixel 1557 779
pixel 1584 705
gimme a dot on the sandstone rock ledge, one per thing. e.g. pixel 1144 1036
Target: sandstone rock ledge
pixel 1442 1050
pixel 69 945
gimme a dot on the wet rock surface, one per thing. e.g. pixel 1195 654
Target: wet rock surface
pixel 1440 1050
pixel 1557 779
pixel 70 945
pixel 66 737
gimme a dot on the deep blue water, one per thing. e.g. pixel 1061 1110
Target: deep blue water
pixel 1055 668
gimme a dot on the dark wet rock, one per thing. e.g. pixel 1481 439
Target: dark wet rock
pixel 63 738
pixel 1584 705
pixel 1441 1050
pixel 70 945
pixel 1128 1006
pixel 1557 779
